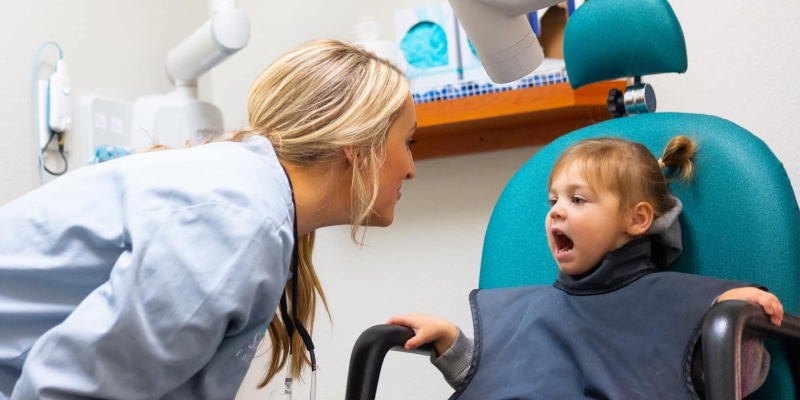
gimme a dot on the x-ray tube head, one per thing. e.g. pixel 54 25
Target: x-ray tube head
pixel 225 33
pixel 502 36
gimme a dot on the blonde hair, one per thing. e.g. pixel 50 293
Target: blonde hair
pixel 310 103
pixel 629 170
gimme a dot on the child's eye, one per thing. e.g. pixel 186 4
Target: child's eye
pixel 552 202
pixel 578 200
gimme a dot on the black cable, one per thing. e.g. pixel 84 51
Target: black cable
pixel 60 151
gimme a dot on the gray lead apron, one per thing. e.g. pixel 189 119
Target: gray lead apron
pixel 630 339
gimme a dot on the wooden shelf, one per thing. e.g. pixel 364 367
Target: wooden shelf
pixel 506 120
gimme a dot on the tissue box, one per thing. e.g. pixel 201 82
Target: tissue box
pixel 427 38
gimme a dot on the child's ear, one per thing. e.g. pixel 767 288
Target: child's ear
pixel 641 217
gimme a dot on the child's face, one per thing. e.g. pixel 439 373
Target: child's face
pixel 583 224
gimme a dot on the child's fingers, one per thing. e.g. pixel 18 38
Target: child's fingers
pixel 426 328
pixel 768 301
pixel 764 299
pixel 421 337
pixel 772 306
pixel 775 320
pixel 778 305
pixel 778 314
pixel 411 344
pixel 402 320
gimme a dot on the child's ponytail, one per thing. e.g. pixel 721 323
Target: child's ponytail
pixel 679 154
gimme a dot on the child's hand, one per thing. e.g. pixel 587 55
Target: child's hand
pixel 772 306
pixel 427 329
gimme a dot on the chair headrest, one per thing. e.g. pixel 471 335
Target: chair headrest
pixel 611 39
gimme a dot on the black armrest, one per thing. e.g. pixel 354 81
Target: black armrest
pixel 722 335
pixel 368 354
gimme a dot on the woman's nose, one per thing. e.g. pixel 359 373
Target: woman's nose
pixel 412 169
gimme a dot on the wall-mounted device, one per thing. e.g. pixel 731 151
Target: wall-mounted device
pixel 52 112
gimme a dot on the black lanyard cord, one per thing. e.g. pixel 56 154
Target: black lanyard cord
pixel 293 323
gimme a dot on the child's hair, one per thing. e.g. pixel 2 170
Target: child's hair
pixel 629 169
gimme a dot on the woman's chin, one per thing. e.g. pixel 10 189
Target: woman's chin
pixel 381 221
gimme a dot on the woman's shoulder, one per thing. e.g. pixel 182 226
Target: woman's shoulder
pixel 237 175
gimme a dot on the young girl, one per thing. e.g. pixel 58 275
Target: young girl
pixel 156 275
pixel 614 325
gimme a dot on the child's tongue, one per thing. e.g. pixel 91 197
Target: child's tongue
pixel 563 243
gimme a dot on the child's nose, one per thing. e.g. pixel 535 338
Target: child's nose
pixel 557 212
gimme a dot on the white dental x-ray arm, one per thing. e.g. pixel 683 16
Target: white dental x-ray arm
pixel 502 36
pixel 172 119
pixel 225 33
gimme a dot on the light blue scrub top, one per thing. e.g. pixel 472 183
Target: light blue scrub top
pixel 151 276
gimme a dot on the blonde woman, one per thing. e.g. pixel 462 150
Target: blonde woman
pixel 156 275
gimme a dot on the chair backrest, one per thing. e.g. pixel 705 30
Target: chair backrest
pixel 740 220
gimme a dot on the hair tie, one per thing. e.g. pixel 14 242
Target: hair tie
pixel 661 164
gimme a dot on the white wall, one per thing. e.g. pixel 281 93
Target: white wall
pixel 742 66
pixel 112 48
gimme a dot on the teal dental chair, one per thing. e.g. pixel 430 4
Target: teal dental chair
pixel 740 219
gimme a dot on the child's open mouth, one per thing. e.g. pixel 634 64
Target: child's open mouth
pixel 563 242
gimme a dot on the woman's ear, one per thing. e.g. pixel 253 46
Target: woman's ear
pixel 348 153
pixel 641 217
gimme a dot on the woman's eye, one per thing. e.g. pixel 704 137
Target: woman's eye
pixel 410 142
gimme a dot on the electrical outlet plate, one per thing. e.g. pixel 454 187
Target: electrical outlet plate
pixel 103 122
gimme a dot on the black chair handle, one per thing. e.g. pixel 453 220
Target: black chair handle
pixel 368 354
pixel 722 335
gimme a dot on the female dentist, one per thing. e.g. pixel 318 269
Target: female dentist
pixel 156 275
